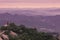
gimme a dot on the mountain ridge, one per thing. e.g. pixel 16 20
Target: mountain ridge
pixel 38 21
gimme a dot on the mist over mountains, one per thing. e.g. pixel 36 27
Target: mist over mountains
pixel 51 23
pixel 42 19
pixel 32 12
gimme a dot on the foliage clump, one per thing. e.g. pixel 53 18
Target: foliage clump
pixel 24 33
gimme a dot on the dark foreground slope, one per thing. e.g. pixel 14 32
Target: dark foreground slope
pixel 13 32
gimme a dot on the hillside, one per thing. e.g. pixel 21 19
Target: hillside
pixel 14 32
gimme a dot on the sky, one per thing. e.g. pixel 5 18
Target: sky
pixel 29 3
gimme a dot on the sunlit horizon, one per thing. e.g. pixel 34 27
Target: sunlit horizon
pixel 29 5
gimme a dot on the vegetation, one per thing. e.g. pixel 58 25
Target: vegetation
pixel 24 33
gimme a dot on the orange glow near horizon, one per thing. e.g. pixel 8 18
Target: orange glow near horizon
pixel 29 5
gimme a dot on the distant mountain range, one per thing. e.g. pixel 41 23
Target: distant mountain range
pixel 32 12
pixel 51 23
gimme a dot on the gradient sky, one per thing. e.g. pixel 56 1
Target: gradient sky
pixel 29 3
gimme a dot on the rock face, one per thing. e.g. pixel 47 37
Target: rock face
pixel 13 34
pixel 3 36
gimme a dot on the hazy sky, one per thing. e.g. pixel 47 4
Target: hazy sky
pixel 29 3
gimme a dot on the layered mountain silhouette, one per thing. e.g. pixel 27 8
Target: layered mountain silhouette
pixel 51 23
